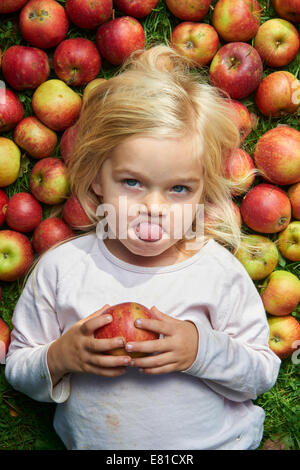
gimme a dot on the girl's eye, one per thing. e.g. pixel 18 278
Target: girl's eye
pixel 131 182
pixel 178 188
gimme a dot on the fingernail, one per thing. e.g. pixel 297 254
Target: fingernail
pixel 126 361
pixel 138 322
pixel 121 341
pixel 129 346
pixel 109 318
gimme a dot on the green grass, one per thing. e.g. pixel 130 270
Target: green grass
pixel 26 424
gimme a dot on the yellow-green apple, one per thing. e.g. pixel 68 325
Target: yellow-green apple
pixel 277 155
pixel 87 14
pixel 288 9
pixel 76 61
pixel 118 38
pixel 266 208
pixel 49 232
pixel 238 20
pixel 43 23
pixel 25 67
pixel 280 292
pixel 289 241
pixel 241 118
pixel 49 181
pixel 3 206
pixel 294 195
pixel 136 8
pixel 277 42
pixel 56 104
pixel 259 256
pixel 278 94
pixel 74 214
pixel 196 41
pixel 34 137
pixel 90 86
pixel 239 168
pixel 122 325
pixel 11 110
pixel 10 158
pixel 23 212
pixel 16 255
pixel 284 335
pixel 67 143
pixel 10 6
pixel 189 10
pixel 237 69
pixel 4 339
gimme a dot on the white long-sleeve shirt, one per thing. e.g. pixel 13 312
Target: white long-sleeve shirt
pixel 208 406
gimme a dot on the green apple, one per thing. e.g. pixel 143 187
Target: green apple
pixel 10 158
pixel 284 335
pixel 258 255
pixel 289 241
pixel 280 293
pixel 16 255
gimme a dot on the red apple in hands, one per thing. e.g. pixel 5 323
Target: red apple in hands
pixel 196 41
pixel 56 104
pixel 49 232
pixel 189 10
pixel 11 110
pixel 74 214
pixel 23 213
pixel 294 195
pixel 25 67
pixel 16 255
pixel 237 69
pixel 241 118
pixel 89 14
pixel 10 6
pixel 118 39
pixel 76 61
pixel 34 137
pixel 240 169
pixel 122 325
pixel 280 293
pixel 4 339
pixel 266 209
pixel 277 155
pixel 277 42
pixel 49 182
pixel 288 9
pixel 67 143
pixel 10 158
pixel 278 94
pixel 43 23
pixel 136 8
pixel 3 206
pixel 284 335
pixel 238 20
pixel 289 241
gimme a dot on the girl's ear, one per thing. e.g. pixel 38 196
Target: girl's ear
pixel 96 187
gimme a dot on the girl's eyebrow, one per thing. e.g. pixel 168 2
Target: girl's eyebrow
pixel 188 179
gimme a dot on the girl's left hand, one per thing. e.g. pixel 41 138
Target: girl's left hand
pixel 176 351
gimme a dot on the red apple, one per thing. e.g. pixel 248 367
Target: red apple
pixel 25 67
pixel 277 155
pixel 49 182
pixel 288 9
pixel 34 137
pixel 122 325
pixel 23 212
pixel 237 69
pixel 136 8
pixel 266 209
pixel 56 104
pixel 11 110
pixel 284 335
pixel 196 41
pixel 10 6
pixel 189 10
pixel 89 14
pixel 76 61
pixel 294 195
pixel 16 255
pixel 117 39
pixel 280 293
pixel 277 41
pixel 43 23
pixel 241 118
pixel 278 94
pixel 49 232
pixel 74 214
pixel 238 20
pixel 4 340
pixel 240 169
pixel 67 143
pixel 289 241
pixel 10 158
pixel 216 218
pixel 3 206
pixel 258 255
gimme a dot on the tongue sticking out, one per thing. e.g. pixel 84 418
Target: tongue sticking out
pixel 150 232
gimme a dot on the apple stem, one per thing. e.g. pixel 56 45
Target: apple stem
pixel 113 14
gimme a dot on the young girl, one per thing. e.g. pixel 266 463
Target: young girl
pixel 152 137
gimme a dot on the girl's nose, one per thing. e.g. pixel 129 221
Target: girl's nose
pixel 155 203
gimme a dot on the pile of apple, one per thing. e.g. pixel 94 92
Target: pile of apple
pixel 235 47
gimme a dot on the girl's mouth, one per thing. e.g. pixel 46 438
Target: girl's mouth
pixel 149 232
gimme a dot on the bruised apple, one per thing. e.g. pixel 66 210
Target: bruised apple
pixel 122 325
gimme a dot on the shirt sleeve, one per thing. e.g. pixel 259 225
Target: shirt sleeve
pixel 234 358
pixel 35 327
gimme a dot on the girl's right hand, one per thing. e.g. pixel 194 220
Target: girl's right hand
pixel 78 350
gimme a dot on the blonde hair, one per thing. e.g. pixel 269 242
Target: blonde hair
pixel 157 93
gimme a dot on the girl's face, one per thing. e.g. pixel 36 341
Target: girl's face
pixel 150 188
